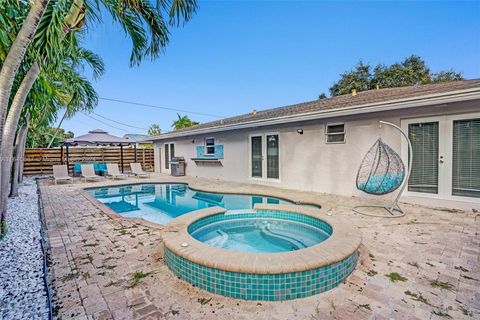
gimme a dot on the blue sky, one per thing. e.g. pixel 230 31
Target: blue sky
pixel 236 56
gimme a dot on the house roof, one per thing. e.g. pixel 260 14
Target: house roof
pixel 134 137
pixel 361 100
pixel 97 137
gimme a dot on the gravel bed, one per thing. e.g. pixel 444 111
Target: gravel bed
pixel 22 290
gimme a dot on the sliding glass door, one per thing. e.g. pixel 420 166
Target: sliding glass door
pixel 466 158
pixel 445 157
pixel 265 167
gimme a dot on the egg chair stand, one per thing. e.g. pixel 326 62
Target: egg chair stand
pixel 382 171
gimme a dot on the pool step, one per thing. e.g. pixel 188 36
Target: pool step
pixel 219 241
pixel 296 243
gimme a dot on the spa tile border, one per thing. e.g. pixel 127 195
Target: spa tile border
pixel 343 243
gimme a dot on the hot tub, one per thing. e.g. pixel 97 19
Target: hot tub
pixel 260 232
pixel 275 252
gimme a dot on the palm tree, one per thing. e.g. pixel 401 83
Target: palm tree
pixel 62 88
pixel 183 122
pixel 19 151
pixel 55 21
pixel 142 22
pixel 62 63
pixel 154 130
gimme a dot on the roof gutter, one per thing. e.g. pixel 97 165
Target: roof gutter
pixel 427 100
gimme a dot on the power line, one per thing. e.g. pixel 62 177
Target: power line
pixel 160 107
pixel 105 123
pixel 123 124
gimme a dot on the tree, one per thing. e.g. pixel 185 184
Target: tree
pixel 19 152
pixel 358 79
pixel 48 25
pixel 183 122
pixel 63 67
pixel 142 22
pixel 40 137
pixel 446 76
pixel 154 130
pixel 411 71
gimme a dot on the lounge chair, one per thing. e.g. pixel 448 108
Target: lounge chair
pixel 88 172
pixel 60 172
pixel 114 172
pixel 138 171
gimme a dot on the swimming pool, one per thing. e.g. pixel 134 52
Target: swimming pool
pixel 161 202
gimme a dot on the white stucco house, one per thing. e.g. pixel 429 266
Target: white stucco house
pixel 319 145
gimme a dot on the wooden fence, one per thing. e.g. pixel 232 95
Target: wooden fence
pixel 40 161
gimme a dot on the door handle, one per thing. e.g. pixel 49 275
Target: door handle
pixel 441 159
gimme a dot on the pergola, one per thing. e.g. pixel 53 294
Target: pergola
pixel 97 137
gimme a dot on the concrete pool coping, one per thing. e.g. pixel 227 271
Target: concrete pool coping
pixel 343 242
pixel 120 183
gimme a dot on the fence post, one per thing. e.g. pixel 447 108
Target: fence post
pixel 121 156
pixel 68 162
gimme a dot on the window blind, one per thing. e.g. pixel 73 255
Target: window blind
pixel 466 158
pixel 335 133
pixel 424 175
pixel 272 157
pixel 257 157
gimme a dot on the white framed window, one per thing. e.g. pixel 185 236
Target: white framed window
pixel 335 133
pixel 209 146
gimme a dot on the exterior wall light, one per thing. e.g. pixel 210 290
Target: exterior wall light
pixel 300 131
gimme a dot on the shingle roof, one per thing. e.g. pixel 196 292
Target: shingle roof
pixel 338 102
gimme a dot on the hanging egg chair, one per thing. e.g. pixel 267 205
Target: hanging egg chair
pixel 381 172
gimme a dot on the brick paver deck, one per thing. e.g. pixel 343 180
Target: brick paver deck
pixel 96 257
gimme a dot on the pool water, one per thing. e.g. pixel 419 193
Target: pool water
pixel 161 203
pixel 260 235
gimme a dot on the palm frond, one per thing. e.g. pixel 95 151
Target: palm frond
pixel 182 11
pixel 138 16
pixel 81 57
pixel 48 40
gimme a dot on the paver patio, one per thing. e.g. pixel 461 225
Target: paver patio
pixel 94 254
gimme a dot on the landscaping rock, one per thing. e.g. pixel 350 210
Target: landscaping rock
pixel 22 290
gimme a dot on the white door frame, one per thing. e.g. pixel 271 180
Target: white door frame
pixel 445 149
pixel 162 155
pixel 263 135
